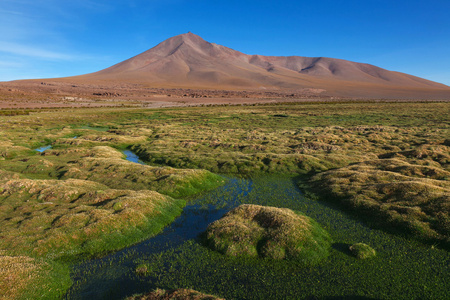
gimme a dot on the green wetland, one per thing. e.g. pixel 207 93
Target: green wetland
pixel 175 258
pixel 117 207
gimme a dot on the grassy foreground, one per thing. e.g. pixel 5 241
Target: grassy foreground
pixel 79 199
pixel 388 162
pixel 401 269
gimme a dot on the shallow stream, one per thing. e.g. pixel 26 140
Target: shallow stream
pixel 100 278
pixel 403 269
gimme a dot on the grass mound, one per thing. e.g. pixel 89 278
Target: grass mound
pixel 64 218
pixel 362 251
pixel 106 165
pixel 9 151
pixel 402 197
pixel 276 233
pixel 44 221
pixel 179 294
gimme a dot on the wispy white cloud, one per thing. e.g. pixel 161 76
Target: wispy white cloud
pixel 10 64
pixel 30 51
pixel 53 37
pixel 35 37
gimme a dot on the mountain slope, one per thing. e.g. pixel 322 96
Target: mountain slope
pixel 189 61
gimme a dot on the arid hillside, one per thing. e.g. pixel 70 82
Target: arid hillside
pixel 187 61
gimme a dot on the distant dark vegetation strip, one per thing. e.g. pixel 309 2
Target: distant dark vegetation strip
pixel 15 112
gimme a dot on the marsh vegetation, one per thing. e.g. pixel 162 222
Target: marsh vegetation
pixel 388 163
pixel 402 269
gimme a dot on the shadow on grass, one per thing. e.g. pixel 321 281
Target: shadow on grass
pixel 342 247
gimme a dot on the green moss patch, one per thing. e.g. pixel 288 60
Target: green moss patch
pixel 276 233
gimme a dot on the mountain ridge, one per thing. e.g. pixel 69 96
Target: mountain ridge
pixel 189 61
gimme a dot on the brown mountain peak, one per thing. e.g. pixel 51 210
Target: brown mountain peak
pixel 191 36
pixel 187 60
pixel 186 38
pixel 179 42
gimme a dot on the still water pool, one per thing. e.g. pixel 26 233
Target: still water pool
pixel 131 156
pixel 42 149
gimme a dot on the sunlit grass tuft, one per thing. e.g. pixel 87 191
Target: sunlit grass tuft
pixel 270 232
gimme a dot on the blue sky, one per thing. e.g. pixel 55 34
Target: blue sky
pixel 55 38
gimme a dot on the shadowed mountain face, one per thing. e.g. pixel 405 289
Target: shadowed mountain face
pixel 188 61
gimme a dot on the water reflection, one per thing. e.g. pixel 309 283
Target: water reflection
pixel 42 149
pixel 131 156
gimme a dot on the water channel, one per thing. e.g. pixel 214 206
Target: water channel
pixel 402 267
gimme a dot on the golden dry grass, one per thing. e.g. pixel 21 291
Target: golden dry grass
pixel 106 165
pixel 16 274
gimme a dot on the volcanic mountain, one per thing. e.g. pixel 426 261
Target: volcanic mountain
pixel 188 61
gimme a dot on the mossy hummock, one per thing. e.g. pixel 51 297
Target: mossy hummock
pixel 276 233
pixel 58 218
